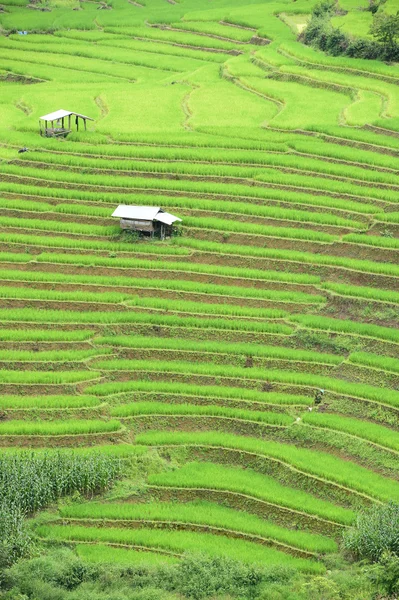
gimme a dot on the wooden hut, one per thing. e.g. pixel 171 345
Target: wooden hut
pixel 146 219
pixel 58 123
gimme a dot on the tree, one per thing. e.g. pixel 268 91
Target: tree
pixel 385 29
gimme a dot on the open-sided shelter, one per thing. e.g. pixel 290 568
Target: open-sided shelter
pixel 146 219
pixel 58 123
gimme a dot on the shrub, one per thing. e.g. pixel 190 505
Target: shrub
pixel 61 568
pixel 200 576
pixel 385 29
pixel 386 574
pixel 375 533
pixel 320 587
pixel 321 34
pixel 325 7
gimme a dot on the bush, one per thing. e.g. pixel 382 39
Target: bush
pixel 323 8
pixel 201 576
pixel 61 575
pixel 375 533
pixel 321 34
pixel 386 574
pixel 362 48
pixel 385 29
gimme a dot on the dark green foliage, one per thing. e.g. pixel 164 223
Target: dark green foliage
pixel 325 342
pixel 320 587
pixel 375 533
pixel 325 7
pixel 385 575
pixel 374 5
pixel 61 575
pixel 385 29
pixel 30 481
pixel 198 576
pixel 128 236
pixel 60 569
pixel 321 34
pixel 195 577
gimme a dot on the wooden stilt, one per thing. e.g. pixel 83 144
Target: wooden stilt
pixel 56 124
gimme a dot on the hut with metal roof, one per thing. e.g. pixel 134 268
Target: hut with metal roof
pixel 146 219
pixel 58 123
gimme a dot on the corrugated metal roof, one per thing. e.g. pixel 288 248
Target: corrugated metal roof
pixel 59 114
pixel 142 213
pixel 166 218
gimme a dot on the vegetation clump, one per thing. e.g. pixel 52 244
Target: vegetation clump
pixel 375 534
pixel 321 34
pixel 30 481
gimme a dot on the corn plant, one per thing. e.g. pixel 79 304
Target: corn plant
pixel 30 481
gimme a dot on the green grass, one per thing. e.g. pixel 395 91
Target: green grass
pixel 33 377
pixel 250 483
pixel 211 161
pixel 347 327
pixel 374 240
pixel 34 294
pixel 238 202
pixel 351 264
pixel 15 257
pixel 368 431
pixel 44 335
pixel 51 355
pixel 138 409
pixel 94 318
pixel 318 463
pixel 180 542
pixel 136 284
pixel 392 217
pixel 155 388
pixel 130 300
pixel 82 244
pixel 272 352
pixel 385 363
pixel 208 269
pixel 252 229
pixel 376 394
pixel 64 427
pixel 58 226
pixel 47 402
pixel 272 177
pixel 103 554
pixel 204 513
pixel 363 292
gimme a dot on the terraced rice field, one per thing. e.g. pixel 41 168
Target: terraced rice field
pixel 208 348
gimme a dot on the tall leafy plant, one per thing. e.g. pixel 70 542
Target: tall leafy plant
pixel 376 532
pixel 30 481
